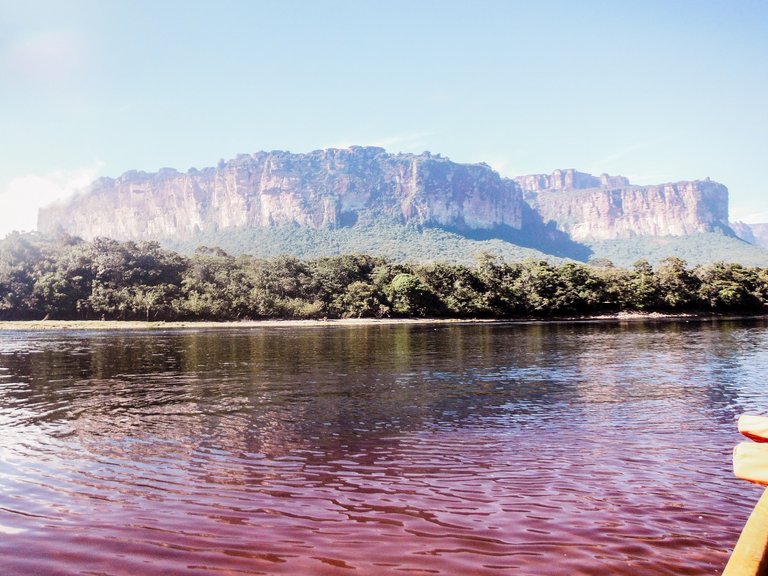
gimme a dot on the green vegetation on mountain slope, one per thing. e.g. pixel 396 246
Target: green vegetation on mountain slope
pixel 401 243
pixel 695 249
pixel 408 243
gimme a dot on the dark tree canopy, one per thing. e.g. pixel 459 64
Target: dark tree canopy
pixel 67 278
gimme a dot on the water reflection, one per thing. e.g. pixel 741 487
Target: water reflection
pixel 539 448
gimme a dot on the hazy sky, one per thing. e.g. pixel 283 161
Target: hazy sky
pixel 655 90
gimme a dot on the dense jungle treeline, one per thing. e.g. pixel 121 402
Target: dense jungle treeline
pixel 67 278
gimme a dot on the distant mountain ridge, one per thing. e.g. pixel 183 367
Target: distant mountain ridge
pixel 322 189
pixel 560 213
pixel 756 234
pixel 610 208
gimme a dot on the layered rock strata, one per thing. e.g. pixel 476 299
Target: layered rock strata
pixel 753 233
pixel 343 187
pixel 322 189
pixel 589 208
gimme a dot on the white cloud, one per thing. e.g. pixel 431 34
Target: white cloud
pixel 53 56
pixel 503 166
pixel 24 195
pixel 744 215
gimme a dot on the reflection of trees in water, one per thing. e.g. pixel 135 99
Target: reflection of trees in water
pixel 270 388
pixel 735 367
pixel 693 365
pixel 271 391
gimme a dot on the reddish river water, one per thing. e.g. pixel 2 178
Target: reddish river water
pixel 448 449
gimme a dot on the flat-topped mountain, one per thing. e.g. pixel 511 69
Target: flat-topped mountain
pixel 323 189
pixel 363 187
pixel 570 179
pixel 592 208
pixel 753 233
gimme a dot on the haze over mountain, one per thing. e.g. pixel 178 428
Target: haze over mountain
pixel 355 199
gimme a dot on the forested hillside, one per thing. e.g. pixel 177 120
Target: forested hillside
pixel 67 278
pixel 397 242
pixel 408 243
pixel 695 249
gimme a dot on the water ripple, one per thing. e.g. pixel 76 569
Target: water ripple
pixel 581 449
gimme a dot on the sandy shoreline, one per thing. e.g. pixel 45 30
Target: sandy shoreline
pixel 94 325
pixel 139 325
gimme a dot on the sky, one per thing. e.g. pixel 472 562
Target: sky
pixel 657 91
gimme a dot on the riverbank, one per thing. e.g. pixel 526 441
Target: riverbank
pixel 139 325
pixel 191 324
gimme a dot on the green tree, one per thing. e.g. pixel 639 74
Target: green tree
pixel 331 277
pixel 503 296
pixel 539 284
pixel 20 260
pixel 641 290
pixel 677 286
pixel 730 287
pixel 280 285
pixel 579 291
pixel 362 300
pixel 216 286
pixel 409 296
pixel 458 288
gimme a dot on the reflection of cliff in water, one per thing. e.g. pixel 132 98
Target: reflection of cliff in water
pixel 271 391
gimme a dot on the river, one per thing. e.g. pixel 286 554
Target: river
pixel 485 449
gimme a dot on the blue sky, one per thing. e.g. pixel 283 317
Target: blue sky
pixel 655 90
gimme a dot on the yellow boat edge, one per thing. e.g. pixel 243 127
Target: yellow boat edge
pixel 750 555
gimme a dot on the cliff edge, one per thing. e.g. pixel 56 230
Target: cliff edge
pixel 591 208
pixel 341 188
pixel 322 189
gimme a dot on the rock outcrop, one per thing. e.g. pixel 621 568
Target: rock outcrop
pixel 591 208
pixel 760 232
pixel 336 188
pixel 322 189
pixel 756 234
pixel 569 179
pixel 743 231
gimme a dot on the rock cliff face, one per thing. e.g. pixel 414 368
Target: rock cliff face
pixel 760 232
pixel 609 208
pixel 333 188
pixel 322 189
pixel 743 231
pixel 756 234
pixel 569 179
